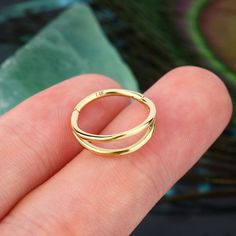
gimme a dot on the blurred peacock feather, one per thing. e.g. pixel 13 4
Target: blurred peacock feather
pixel 154 36
pixel 159 35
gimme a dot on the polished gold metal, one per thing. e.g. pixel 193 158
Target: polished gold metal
pixel 85 138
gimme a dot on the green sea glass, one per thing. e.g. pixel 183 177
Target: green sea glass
pixel 70 45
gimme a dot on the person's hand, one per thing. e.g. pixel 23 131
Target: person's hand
pixel 51 186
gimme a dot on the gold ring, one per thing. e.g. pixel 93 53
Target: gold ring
pixel 85 138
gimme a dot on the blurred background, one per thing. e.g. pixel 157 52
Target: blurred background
pixel 134 42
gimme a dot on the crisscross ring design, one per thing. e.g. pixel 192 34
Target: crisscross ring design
pixel 85 139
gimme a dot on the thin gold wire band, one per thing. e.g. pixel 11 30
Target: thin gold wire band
pixel 84 138
pixel 113 152
pixel 112 92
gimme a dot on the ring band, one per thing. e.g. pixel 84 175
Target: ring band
pixel 85 138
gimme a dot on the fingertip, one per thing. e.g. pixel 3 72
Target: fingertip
pixel 203 81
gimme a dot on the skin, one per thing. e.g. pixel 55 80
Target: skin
pixel 51 186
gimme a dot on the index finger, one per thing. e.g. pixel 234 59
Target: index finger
pixel 36 138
